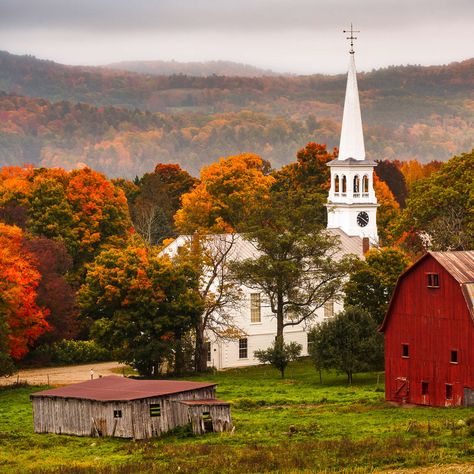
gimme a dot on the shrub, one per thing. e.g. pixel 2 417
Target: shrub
pixel 68 352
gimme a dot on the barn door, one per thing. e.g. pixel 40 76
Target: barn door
pixel 468 397
pixel 402 389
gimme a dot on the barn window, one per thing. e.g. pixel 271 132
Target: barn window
pixel 243 348
pixel 405 350
pixel 208 348
pixel 454 357
pixel 117 413
pixel 424 388
pixel 155 409
pixel 449 391
pixel 432 280
pixel 255 313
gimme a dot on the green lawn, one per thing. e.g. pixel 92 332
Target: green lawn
pixel 291 425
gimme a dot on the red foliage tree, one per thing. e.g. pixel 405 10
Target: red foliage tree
pixel 25 320
pixel 54 292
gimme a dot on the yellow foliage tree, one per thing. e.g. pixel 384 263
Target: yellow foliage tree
pixel 226 193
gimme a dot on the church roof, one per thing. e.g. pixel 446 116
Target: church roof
pixel 243 248
pixel 351 162
pixel 352 136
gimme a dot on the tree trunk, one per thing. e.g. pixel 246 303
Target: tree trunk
pixel 280 318
pixel 349 377
pixel 200 351
pixel 179 357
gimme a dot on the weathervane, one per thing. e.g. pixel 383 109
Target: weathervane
pixel 351 37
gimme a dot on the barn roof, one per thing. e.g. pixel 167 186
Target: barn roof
pixel 459 264
pixel 114 388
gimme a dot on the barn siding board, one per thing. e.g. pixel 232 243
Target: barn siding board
pixel 92 418
pixel 433 321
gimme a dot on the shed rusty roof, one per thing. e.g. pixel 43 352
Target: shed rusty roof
pixel 114 388
pixel 459 264
pixel 204 401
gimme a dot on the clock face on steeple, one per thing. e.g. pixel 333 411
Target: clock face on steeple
pixel 362 219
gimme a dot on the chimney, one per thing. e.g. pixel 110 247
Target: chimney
pixel 365 245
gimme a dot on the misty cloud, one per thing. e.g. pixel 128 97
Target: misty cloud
pixel 284 35
pixel 224 15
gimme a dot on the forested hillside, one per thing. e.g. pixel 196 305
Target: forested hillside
pixel 132 121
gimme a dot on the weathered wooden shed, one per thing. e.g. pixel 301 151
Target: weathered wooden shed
pixel 429 332
pixel 129 408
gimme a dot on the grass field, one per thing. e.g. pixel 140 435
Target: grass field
pixel 291 425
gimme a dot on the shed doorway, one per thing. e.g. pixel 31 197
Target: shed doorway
pixel 468 397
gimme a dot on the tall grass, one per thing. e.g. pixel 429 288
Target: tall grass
pixel 291 425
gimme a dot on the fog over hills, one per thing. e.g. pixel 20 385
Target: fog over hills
pixel 194 68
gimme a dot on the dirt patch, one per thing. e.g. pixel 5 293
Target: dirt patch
pixel 446 469
pixel 62 375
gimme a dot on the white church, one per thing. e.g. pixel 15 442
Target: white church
pixel 352 211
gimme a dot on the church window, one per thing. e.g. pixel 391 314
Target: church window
pixel 255 312
pixel 329 308
pixel 365 184
pixel 356 186
pixel 344 185
pixel 209 353
pixel 243 348
pixel 336 184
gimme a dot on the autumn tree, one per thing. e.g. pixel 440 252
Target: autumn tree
pixel 387 212
pixel 307 180
pixel 389 172
pixel 20 316
pixel 141 305
pixel 54 291
pixel 372 281
pixel 348 343
pixel 80 208
pixel 158 198
pixel 225 195
pixel 440 208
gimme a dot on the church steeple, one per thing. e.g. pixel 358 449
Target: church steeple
pixel 352 204
pixel 352 135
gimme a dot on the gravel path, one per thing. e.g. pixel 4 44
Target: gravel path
pixel 62 375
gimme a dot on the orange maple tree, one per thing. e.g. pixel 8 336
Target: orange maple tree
pixel 227 191
pixel 25 320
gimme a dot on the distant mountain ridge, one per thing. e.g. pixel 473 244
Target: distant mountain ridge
pixel 123 123
pixel 193 68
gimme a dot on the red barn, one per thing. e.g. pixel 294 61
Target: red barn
pixel 429 332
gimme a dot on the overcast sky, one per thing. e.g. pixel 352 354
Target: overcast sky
pixel 300 36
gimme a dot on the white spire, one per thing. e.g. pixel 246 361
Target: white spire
pixel 352 136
